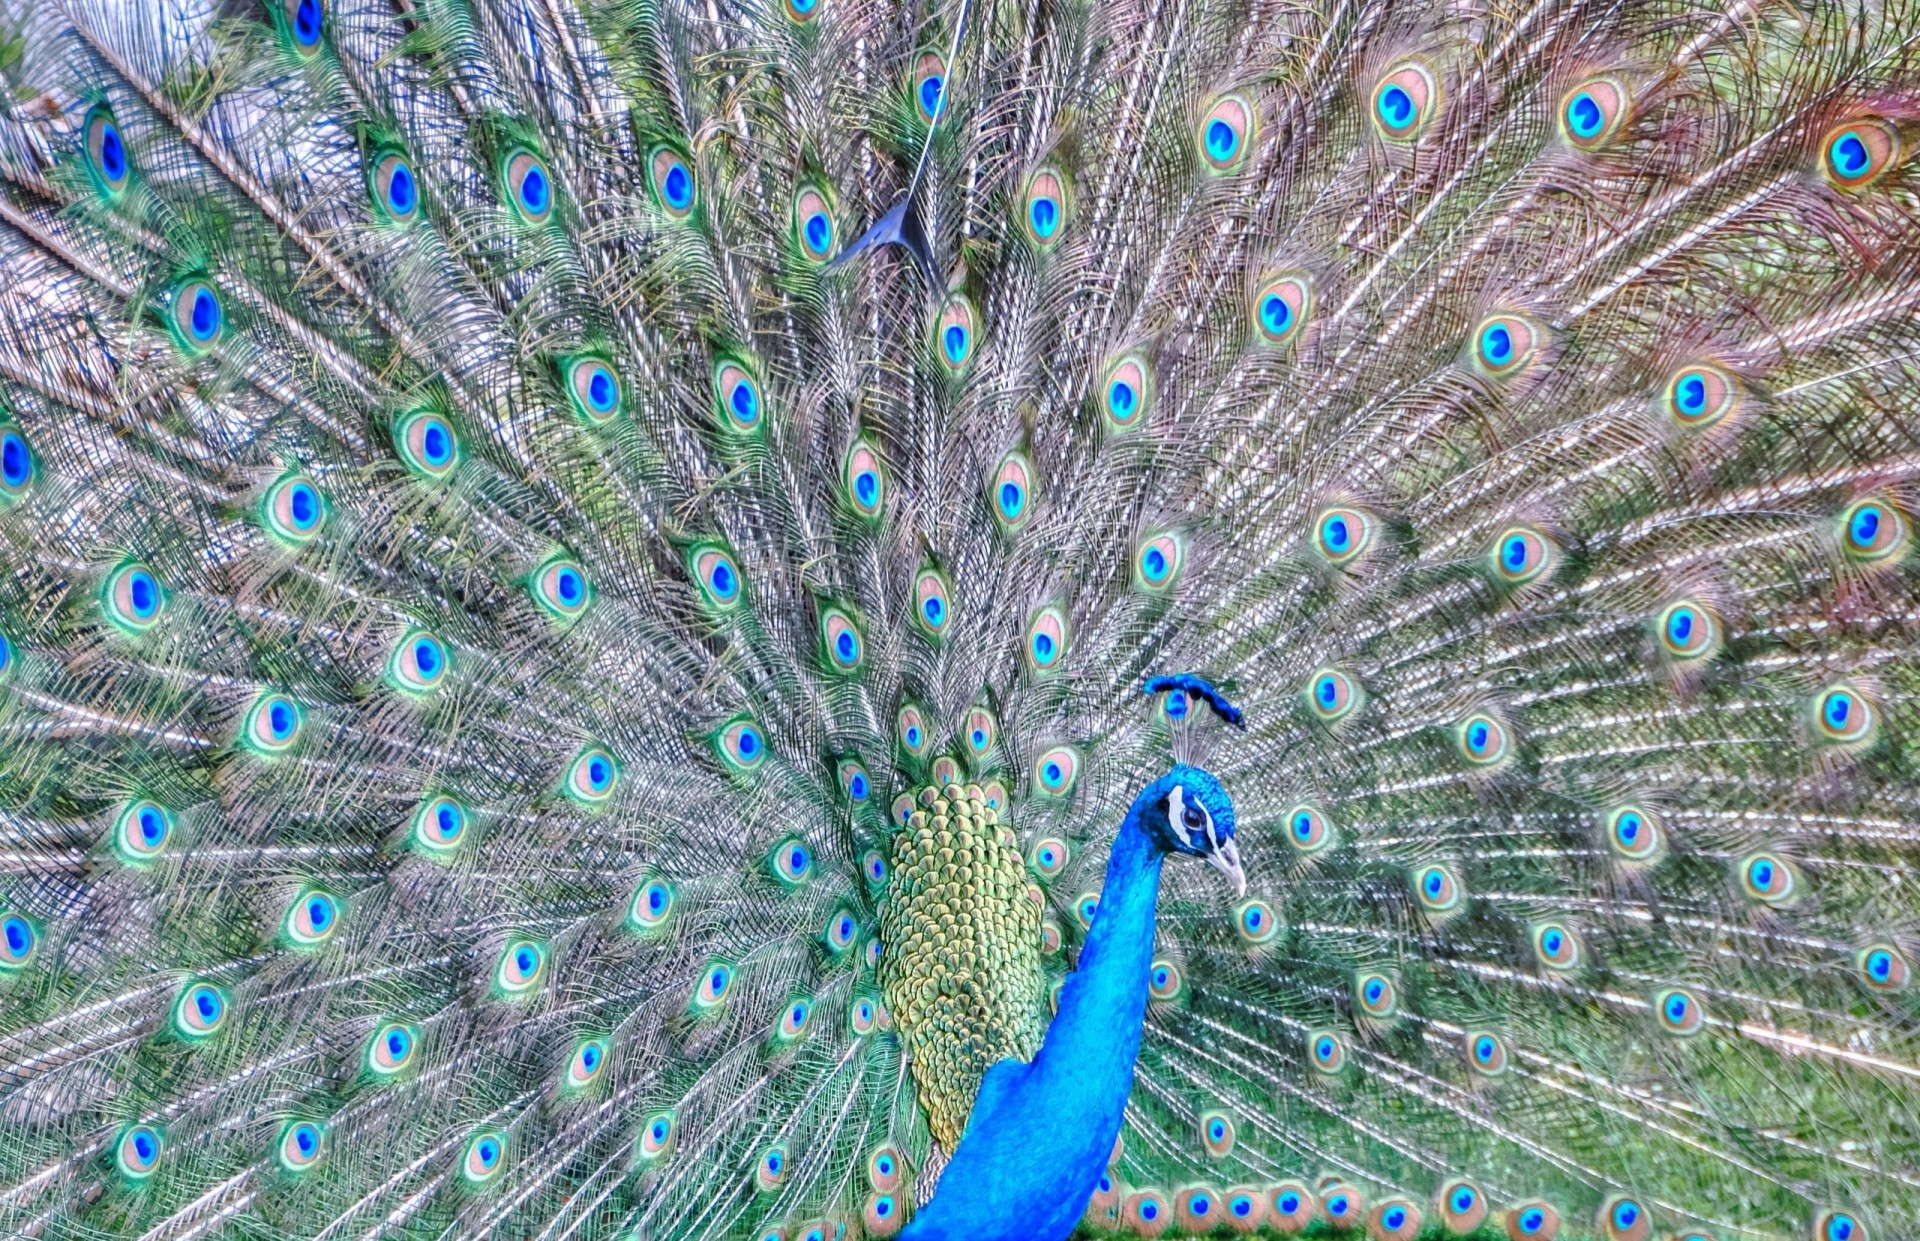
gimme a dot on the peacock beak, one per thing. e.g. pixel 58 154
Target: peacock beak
pixel 1225 858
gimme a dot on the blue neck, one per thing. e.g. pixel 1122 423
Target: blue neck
pixel 1090 1048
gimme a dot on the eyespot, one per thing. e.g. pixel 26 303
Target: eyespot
pixel 1405 102
pixel 136 1154
pixel 1766 878
pixel 200 1010
pixel 717 577
pixel 1592 113
pixel 594 388
pixel 1049 856
pixel 800 12
pixel 910 728
pixel 1342 1205
pixel 1341 535
pixel 585 1064
pixel 1226 133
pixel 1146 1212
pixel 1533 1221
pixel 197 317
pixel 1055 771
pixel 529 186
pixel 714 984
pixel 1246 1208
pixel 737 396
pixel 1157 563
pixel 1843 716
pixel 865 480
pixel 1255 920
pixel 840 640
pixel 1438 889
pixel 673 182
pixel 419 663
pixel 484 1158
pixel 1198 1209
pixel 1292 1206
pixel 1376 995
pixel 995 794
pixel 1396 1219
pixel 1281 308
pixel 293 509
pixel 310 920
pixel 1688 630
pixel 842 929
pixel 391 1050
pixel 1870 530
pixel 1557 947
pixel 141 831
pixel 1486 1053
pixel 655 1138
pixel 1043 211
pixel 790 861
pixel 929 86
pixel 1839 1226
pixel 1520 555
pixel 884 1166
pixel 1482 740
pixel 1127 392
pixel 873 864
pixel 561 590
pixel 1634 833
pixel 107 157
pixel 304 24
pixel 651 906
pixel 1308 829
pixel 19 941
pixel 1046 639
pixel 771 1169
pixel 592 776
pixel 1050 935
pixel 395 190
pixel 521 968
pixel 983 733
pixel 855 784
pixel 273 724
pixel 426 444
pixel 17 464
pixel 1330 695
pixel 1164 981
pixel 1216 1134
pixel 874 952
pixel 1011 491
pixel 953 334
pixel 813 224
pixel 439 825
pixel 1504 345
pixel 1858 153
pixel 133 598
pixel 1700 395
pixel 1623 1219
pixel 882 1215
pixel 300 1146
pixel 1883 967
pixel 1679 1012
pixel 903 808
pixel 1085 906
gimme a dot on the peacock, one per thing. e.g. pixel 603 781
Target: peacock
pixel 799 620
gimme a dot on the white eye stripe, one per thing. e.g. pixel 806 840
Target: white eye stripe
pixel 1177 817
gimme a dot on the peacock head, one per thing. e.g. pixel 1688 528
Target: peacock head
pixel 1186 811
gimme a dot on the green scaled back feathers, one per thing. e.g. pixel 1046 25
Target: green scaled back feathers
pixel 485 605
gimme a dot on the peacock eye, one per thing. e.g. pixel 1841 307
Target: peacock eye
pixel 293 509
pixel 1225 132
pixel 304 19
pixel 395 191
pixel 1592 113
pixel 864 479
pixel 953 333
pixel 737 394
pixel 813 224
pixel 137 1153
pixel 1404 102
pixel 1504 345
pixel 594 389
pixel 133 598
pixel 1700 395
pixel 1011 491
pixel 1858 153
pixel 929 86
pixel 197 316
pixel 16 464
pixel 673 182
pixel 1046 208
pixel 107 152
pixel 529 186
pixel 1128 392
pixel 426 443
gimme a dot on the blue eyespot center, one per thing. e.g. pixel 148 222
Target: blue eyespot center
pixel 1497 344
pixel 1276 314
pixel 866 485
pixel 819 231
pixel 280 720
pixel 1483 1049
pixel 1289 1203
pixel 1691 394
pixel 1584 117
pixel 599 771
pixel 1394 1217
pixel 306 23
pixel 304 505
pixel 305 1138
pixel 722 579
pixel 1676 1008
pixel 401 195
pixel 1222 141
pixel 320 913
pixel 1396 107
pixel 1149 1209
pixel 152 826
pixel 935 611
pixel 19 936
pixel 601 390
pixel 534 191
pixel 749 743
pixel 931 91
pixel 15 461
pixel 677 187
pixel 143 1146
pixel 745 401
pixel 1338 537
pixel 1011 498
pixel 205 316
pixel 144 594
pixel 113 153
pixel 1880 964
pixel 954 341
pixel 1864 528
pixel 1042 647
pixel 1120 398
pixel 858 787
pixel 1850 155
pixel 396 1043
pixel 1477 736
pixel 1045 214
pixel 1625 1215
pixel 1532 1220
pixel 570 587
pixel 1838 709
pixel 436 444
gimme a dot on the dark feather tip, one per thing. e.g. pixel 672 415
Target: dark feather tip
pixel 1198 687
